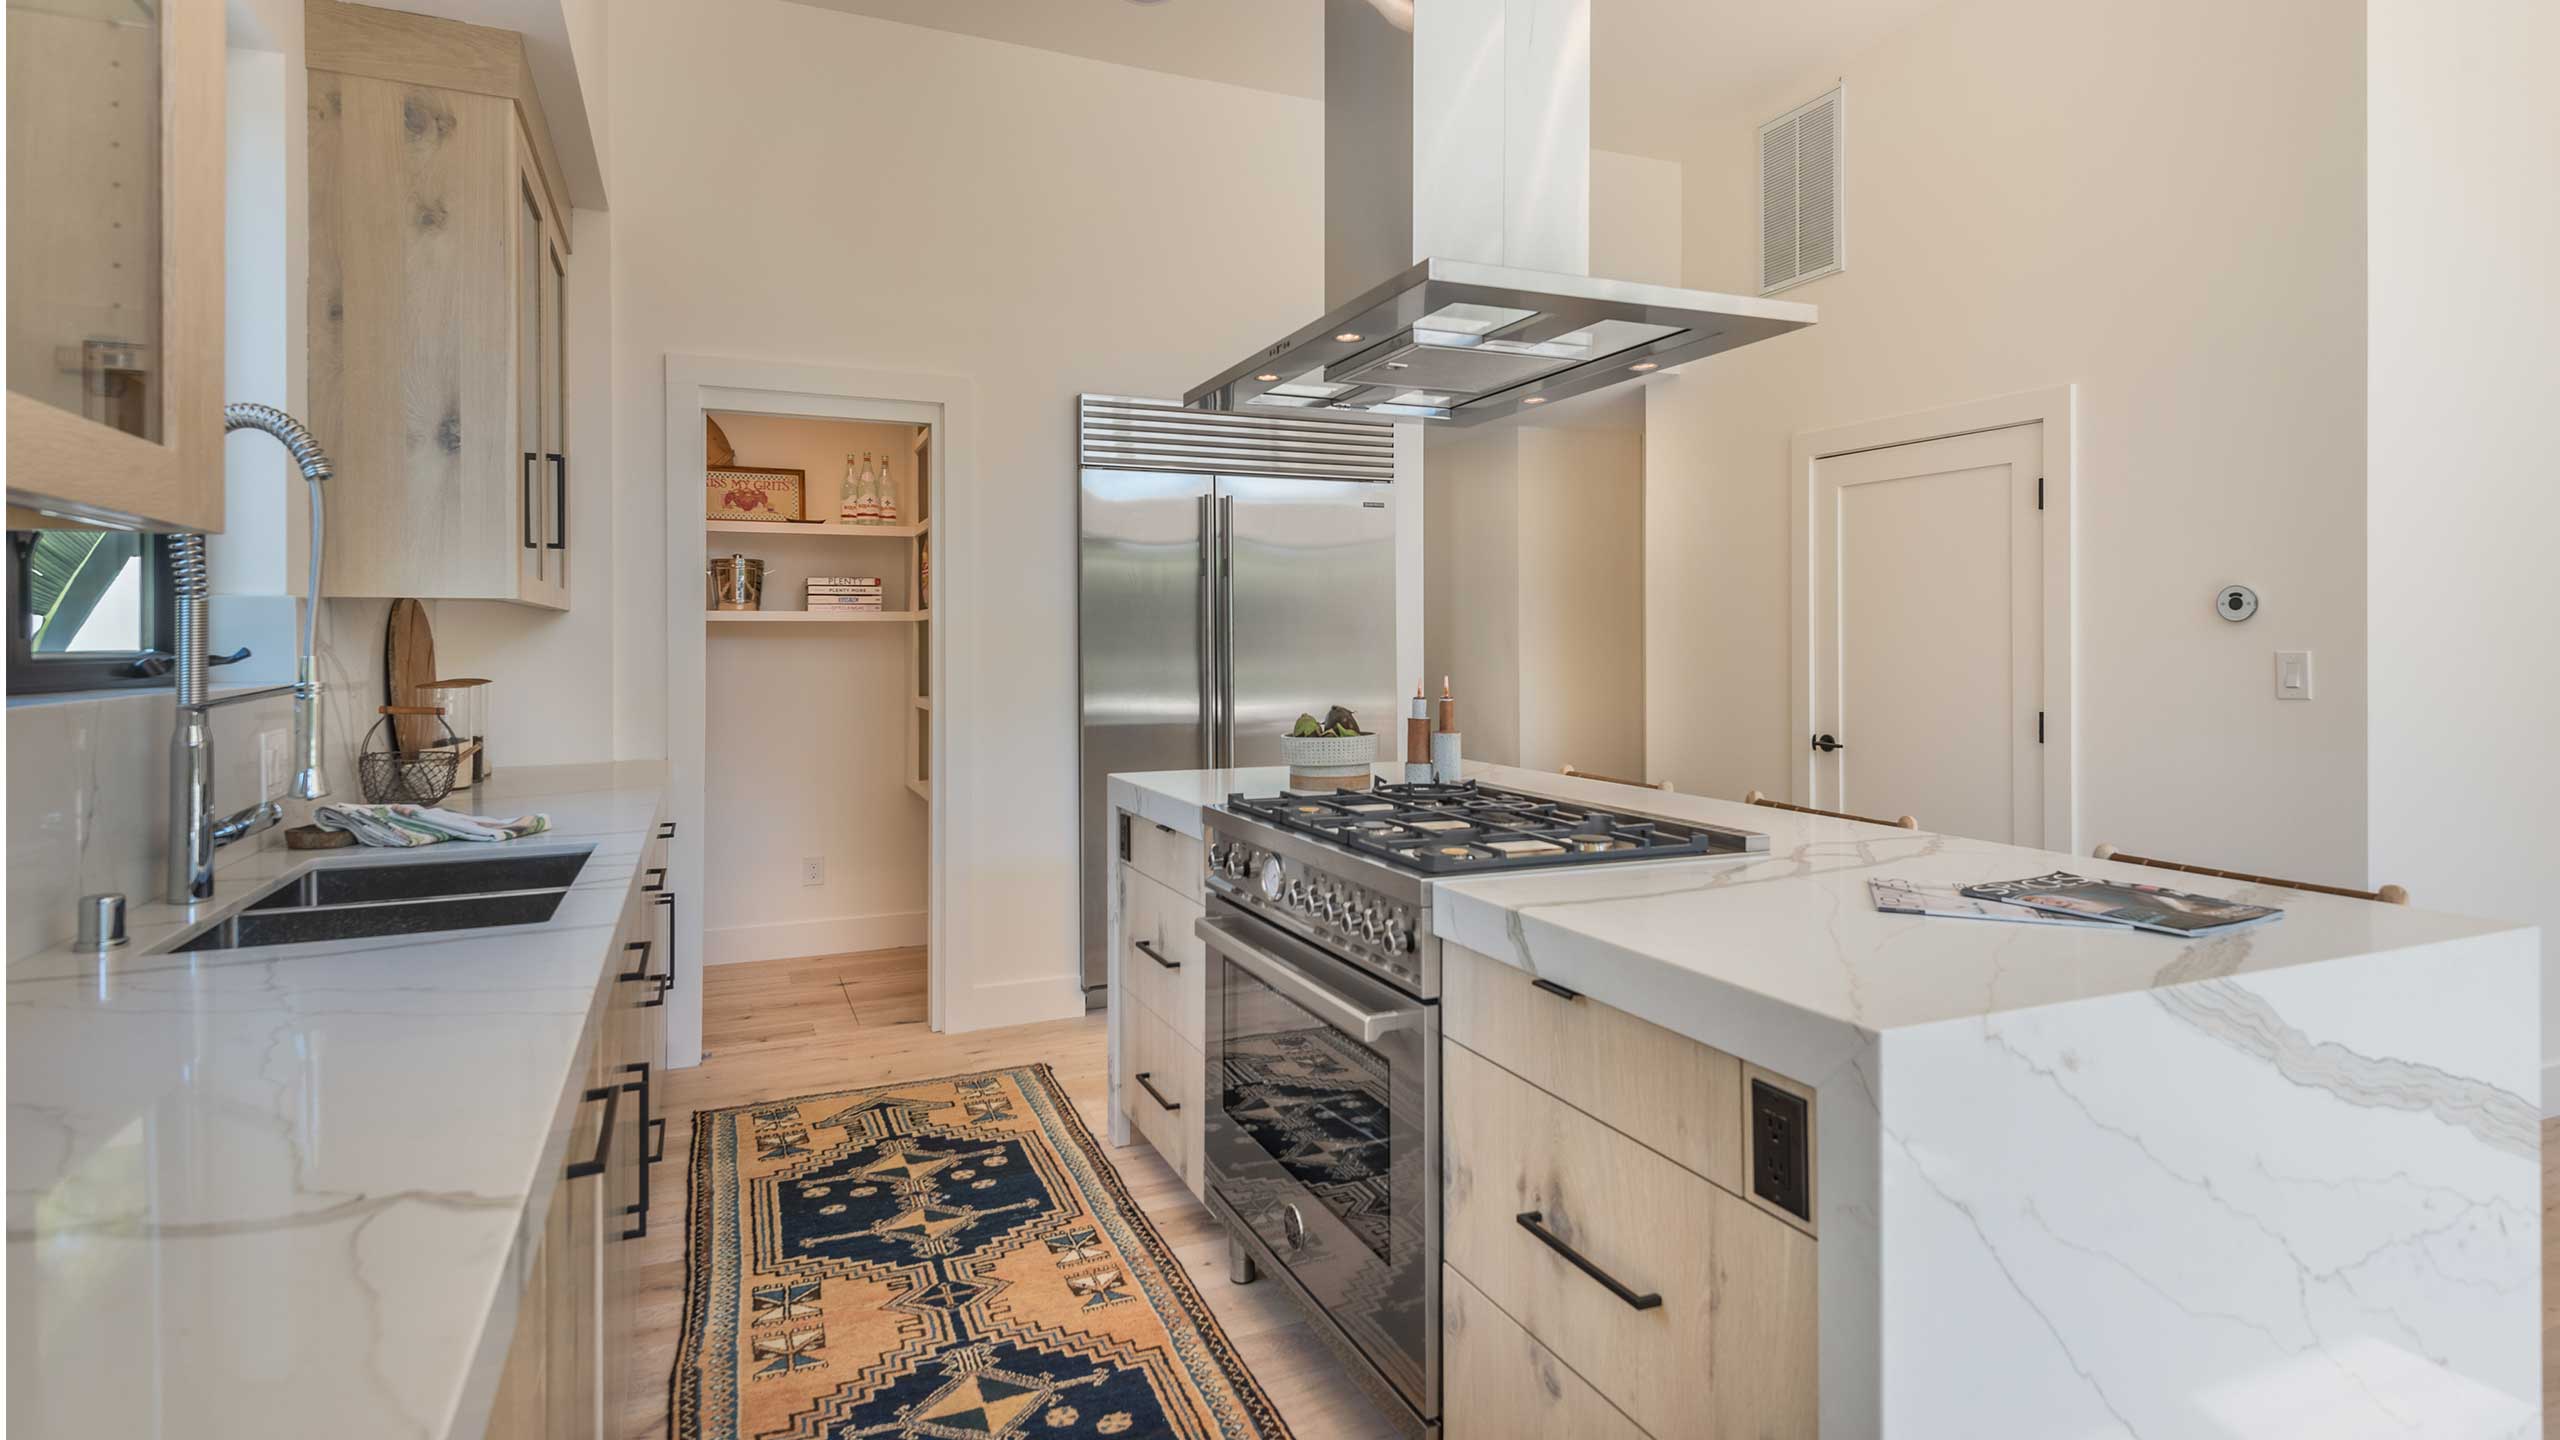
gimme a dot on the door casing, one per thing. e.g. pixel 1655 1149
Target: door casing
pixel 2054 408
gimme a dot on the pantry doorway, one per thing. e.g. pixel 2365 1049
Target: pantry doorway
pixel 806 596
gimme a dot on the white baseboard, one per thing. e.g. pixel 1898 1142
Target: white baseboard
pixel 1013 1002
pixel 791 939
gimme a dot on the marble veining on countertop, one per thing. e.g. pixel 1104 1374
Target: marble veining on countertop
pixel 285 1190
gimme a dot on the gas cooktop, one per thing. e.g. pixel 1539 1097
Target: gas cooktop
pixel 1469 828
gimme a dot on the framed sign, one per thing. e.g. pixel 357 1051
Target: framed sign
pixel 752 492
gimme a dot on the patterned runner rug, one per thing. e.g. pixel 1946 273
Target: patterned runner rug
pixel 949 1258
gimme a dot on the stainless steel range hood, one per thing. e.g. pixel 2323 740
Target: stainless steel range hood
pixel 1459 131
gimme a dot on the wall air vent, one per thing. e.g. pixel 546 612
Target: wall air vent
pixel 1801 193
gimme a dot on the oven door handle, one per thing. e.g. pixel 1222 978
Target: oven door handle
pixel 1337 1009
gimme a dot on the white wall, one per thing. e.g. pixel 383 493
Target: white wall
pixel 1635 218
pixel 1534 578
pixel 2162 203
pixel 808 730
pixel 792 183
pixel 2463 496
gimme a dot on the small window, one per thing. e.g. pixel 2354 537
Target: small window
pixel 85 606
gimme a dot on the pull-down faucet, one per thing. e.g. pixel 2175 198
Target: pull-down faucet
pixel 194 833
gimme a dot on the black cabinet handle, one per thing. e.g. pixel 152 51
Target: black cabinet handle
pixel 1556 990
pixel 661 872
pixel 560 499
pixel 640 1207
pixel 1827 745
pixel 1148 949
pixel 611 1095
pixel 658 1150
pixel 641 970
pixel 667 830
pixel 1533 1221
pixel 668 899
pixel 524 487
pixel 1150 1087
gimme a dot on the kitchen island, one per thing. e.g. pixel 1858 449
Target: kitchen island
pixel 2083 1181
pixel 303 1190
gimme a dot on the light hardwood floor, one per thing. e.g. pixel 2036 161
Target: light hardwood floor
pixel 779 1028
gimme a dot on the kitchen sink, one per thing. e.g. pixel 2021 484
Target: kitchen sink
pixel 424 880
pixel 428 897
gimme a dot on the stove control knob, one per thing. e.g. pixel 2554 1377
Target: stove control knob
pixel 1236 858
pixel 1399 932
pixel 1297 892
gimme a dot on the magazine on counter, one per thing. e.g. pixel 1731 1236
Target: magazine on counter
pixel 2144 907
pixel 1905 897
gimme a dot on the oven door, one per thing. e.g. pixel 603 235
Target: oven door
pixel 1323 1137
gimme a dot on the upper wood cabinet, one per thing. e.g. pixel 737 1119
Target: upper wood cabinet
pixel 115 263
pixel 439 267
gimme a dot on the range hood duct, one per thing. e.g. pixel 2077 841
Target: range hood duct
pixel 1457 153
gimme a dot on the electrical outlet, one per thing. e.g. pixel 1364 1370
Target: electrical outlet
pixel 273 765
pixel 813 870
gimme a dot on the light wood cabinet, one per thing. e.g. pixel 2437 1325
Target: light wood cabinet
pixel 115 202
pixel 571 1361
pixel 439 267
pixel 1159 995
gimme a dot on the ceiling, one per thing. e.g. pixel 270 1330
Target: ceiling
pixel 1660 68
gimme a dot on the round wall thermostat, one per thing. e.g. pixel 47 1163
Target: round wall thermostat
pixel 2236 603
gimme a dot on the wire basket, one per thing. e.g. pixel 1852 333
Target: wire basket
pixel 390 775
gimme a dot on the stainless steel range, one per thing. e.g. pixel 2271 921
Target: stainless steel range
pixel 1323 1133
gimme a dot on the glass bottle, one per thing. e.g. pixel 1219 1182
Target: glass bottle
pixel 867 495
pixel 848 503
pixel 888 493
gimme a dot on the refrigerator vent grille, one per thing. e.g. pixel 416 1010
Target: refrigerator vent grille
pixel 1124 434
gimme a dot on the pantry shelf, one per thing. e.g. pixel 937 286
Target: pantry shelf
pixel 814 617
pixel 815 528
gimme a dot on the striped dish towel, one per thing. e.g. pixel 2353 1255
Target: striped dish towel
pixel 404 825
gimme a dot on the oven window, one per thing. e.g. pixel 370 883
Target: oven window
pixel 1313 1098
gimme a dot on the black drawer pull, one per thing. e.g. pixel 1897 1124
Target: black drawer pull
pixel 641 970
pixel 525 491
pixel 1150 1087
pixel 661 872
pixel 1533 1221
pixel 1556 990
pixel 665 984
pixel 1148 949
pixel 667 830
pixel 1167 829
pixel 560 499
pixel 658 1151
pixel 611 1095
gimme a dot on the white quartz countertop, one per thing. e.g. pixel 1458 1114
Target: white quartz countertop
pixel 284 1191
pixel 1666 938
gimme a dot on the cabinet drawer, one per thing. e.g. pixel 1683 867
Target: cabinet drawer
pixel 1666 1090
pixel 1500 1384
pixel 1165 965
pixel 1728 1348
pixel 1169 1115
pixel 1165 855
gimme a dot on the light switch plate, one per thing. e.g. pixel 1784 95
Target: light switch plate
pixel 2293 674
pixel 813 870
pixel 272 764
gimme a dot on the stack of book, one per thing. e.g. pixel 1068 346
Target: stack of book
pixel 837 593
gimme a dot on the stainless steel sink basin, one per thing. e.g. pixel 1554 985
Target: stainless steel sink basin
pixel 422 898
pixel 423 880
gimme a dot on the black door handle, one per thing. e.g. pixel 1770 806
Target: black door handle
pixel 667 830
pixel 560 499
pixel 641 970
pixel 1555 989
pixel 1148 949
pixel 1826 744
pixel 1534 1222
pixel 661 872
pixel 611 1095
pixel 1149 1086
pixel 524 488
pixel 640 1207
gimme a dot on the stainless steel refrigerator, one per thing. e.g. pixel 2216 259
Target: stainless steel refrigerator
pixel 1234 572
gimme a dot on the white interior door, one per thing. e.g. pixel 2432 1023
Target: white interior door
pixel 1928 600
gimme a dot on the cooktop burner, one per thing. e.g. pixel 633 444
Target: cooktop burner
pixel 1467 827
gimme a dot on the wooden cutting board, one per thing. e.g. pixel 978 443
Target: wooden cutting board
pixel 409 662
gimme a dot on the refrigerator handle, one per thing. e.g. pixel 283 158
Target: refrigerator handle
pixel 1207 629
pixel 1226 631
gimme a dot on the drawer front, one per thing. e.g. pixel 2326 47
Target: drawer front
pixel 1500 1384
pixel 1165 855
pixel 1169 1115
pixel 1730 1346
pixel 1666 1090
pixel 1156 927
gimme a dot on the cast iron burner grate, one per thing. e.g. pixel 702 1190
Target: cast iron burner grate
pixel 1469 828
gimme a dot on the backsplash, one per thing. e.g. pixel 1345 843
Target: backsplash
pixel 89 800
